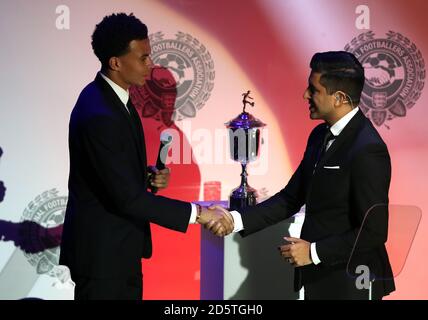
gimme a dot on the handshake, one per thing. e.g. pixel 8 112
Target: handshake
pixel 216 219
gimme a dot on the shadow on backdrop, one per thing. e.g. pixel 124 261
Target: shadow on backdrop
pixel 28 235
pixel 269 275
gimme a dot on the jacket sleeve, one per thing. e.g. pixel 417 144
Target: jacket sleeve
pixel 279 207
pixel 370 179
pixel 111 164
pixel 286 202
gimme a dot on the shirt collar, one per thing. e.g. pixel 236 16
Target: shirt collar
pixel 121 93
pixel 337 128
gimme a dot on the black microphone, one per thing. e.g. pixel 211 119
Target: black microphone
pixel 165 144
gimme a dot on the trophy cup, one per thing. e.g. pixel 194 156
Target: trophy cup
pixel 244 142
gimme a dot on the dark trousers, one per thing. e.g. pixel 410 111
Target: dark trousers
pixel 119 288
pixel 340 286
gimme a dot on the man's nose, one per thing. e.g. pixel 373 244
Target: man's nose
pixel 306 95
pixel 150 63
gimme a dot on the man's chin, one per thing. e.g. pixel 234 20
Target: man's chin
pixel 141 83
pixel 314 116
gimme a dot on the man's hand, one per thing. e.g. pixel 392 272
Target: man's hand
pixel 217 220
pixel 296 252
pixel 226 223
pixel 159 178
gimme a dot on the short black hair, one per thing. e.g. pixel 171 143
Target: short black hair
pixel 340 71
pixel 113 34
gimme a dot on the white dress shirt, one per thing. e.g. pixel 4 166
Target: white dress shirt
pixel 336 129
pixel 120 92
pixel 124 97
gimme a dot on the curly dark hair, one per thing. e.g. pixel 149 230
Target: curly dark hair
pixel 113 34
pixel 340 70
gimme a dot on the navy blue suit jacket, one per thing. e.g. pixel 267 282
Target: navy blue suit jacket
pixel 346 207
pixel 109 211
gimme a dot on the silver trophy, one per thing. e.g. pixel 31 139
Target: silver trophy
pixel 244 141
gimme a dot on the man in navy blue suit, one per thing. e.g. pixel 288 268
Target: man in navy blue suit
pixel 344 180
pixel 109 210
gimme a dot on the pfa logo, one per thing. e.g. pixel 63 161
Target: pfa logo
pixel 181 81
pixel 394 71
pixel 46 216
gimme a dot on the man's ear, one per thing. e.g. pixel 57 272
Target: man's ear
pixel 114 63
pixel 337 99
pixel 340 97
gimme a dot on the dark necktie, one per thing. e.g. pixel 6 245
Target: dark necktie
pixel 137 128
pixel 135 119
pixel 328 136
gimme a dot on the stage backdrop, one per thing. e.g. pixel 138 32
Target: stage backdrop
pixel 211 52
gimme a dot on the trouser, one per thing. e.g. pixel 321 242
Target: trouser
pixel 118 288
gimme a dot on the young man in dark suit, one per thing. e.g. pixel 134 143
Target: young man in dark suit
pixel 343 179
pixel 109 211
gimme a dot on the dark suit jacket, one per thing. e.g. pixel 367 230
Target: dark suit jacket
pixel 106 228
pixel 337 202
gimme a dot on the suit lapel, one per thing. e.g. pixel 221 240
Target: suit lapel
pixel 134 124
pixel 343 136
pixel 139 131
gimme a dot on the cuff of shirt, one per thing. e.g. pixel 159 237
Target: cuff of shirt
pixel 237 221
pixel 193 214
pixel 314 255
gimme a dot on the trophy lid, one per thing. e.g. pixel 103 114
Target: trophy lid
pixel 244 120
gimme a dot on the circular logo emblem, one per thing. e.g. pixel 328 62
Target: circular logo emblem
pixel 395 72
pixel 42 220
pixel 181 81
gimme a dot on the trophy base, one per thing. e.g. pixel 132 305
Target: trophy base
pixel 242 197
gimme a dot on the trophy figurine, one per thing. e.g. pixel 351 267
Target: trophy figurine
pixel 244 141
